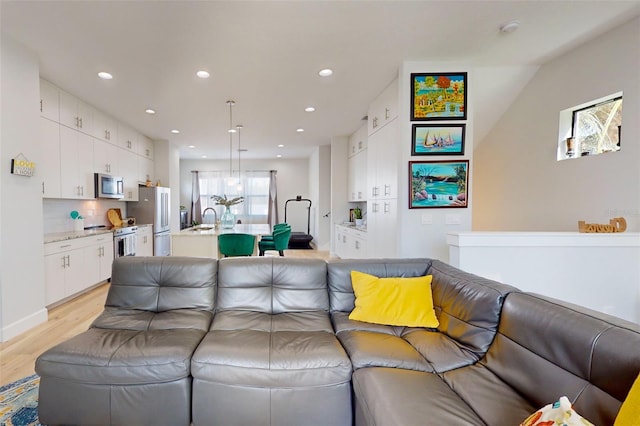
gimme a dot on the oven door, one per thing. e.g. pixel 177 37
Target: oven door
pixel 124 245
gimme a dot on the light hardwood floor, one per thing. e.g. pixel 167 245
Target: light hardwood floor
pixel 18 355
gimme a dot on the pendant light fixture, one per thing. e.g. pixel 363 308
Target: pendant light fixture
pixel 239 187
pixel 231 131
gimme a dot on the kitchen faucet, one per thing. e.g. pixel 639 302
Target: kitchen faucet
pixel 215 214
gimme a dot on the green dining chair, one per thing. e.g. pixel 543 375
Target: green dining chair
pixel 275 227
pixel 280 241
pixel 236 244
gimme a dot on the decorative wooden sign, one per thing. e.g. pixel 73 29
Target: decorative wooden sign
pixel 21 166
pixel 617 224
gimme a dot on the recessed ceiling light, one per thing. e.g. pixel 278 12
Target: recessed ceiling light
pixel 191 146
pixel 309 109
pixel 232 130
pixel 280 146
pixel 175 131
pixel 510 26
pixel 300 130
pixel 150 111
pixel 105 75
pixel 325 72
pixel 203 74
pixel 204 156
pixel 279 155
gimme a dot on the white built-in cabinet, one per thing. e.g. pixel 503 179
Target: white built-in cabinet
pixel 382 180
pixel 76 164
pixel 357 165
pixel 350 243
pixel 144 244
pixel 78 140
pixel 72 266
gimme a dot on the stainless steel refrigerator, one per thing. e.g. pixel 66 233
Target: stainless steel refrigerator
pixel 153 208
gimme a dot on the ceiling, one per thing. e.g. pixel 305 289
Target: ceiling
pixel 266 55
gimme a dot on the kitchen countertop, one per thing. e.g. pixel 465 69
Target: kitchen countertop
pixel 200 230
pixel 357 228
pixel 55 237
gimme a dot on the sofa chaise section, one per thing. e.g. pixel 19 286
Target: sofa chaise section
pixel 271 356
pixel 133 364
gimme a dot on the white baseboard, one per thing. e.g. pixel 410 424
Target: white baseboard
pixel 23 324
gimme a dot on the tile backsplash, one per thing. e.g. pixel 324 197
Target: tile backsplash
pixel 57 213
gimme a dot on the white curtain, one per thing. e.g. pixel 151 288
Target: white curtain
pixel 273 199
pixel 196 207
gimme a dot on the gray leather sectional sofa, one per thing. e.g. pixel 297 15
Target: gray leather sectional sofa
pixel 268 341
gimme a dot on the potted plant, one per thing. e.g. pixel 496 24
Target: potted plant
pixel 228 219
pixel 357 215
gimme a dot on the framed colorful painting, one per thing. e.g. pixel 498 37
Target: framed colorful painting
pixel 437 139
pixel 439 96
pixel 438 184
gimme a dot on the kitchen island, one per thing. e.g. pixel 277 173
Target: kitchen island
pixel 202 240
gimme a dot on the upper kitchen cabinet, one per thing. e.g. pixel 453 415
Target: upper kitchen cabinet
pixel 358 141
pixel 76 164
pixel 49 168
pixel 384 108
pixel 145 147
pixel 128 165
pixel 127 138
pixel 105 128
pixel 49 101
pixel 75 114
pixel 105 158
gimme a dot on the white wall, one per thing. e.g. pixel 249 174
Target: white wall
pixel 339 183
pixel 418 239
pixel 22 296
pixel 519 185
pixel 292 179
pixel 320 190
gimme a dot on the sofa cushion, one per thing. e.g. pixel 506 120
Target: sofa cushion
pixel 392 396
pixel 272 285
pixel 393 301
pixel 122 357
pixel 442 352
pixel 129 319
pixel 162 284
pixel 373 345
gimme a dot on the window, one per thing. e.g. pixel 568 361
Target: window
pixel 595 128
pixel 253 186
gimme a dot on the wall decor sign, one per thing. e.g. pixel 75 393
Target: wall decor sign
pixel 437 139
pixel 21 166
pixel 438 184
pixel 438 96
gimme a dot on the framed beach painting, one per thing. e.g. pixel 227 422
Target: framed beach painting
pixel 438 184
pixel 437 139
pixel 439 96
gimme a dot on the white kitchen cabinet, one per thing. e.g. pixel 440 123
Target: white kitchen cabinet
pixel 384 109
pixel 128 165
pixel 105 128
pixel 350 243
pixel 76 164
pixel 49 168
pixel 145 170
pixel 358 140
pixel 357 165
pixel 72 266
pixel 144 245
pixel 145 147
pixel 382 163
pixel 127 138
pixel 49 101
pixel 382 228
pixel 75 114
pixel 105 158
pixel 99 257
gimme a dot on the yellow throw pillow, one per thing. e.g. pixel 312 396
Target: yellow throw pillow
pixel 629 414
pixel 393 301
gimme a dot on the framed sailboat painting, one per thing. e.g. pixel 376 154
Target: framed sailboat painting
pixel 437 139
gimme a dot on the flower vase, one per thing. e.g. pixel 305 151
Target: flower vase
pixel 228 219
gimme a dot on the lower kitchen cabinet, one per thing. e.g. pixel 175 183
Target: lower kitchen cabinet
pixel 72 266
pixel 144 244
pixel 350 243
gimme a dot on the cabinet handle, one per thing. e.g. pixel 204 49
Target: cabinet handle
pixel 359 195
pixel 64 262
pixel 148 153
pixel 43 187
pixel 359 144
pixel 386 113
pixel 68 261
pixel 387 190
pixel 387 207
pixel 65 246
pixel 375 207
pixel 81 122
pixel 357 245
pixel 77 122
pixel 375 122
pixel 106 134
pixel 40 105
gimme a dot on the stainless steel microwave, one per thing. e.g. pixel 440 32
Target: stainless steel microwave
pixel 108 186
